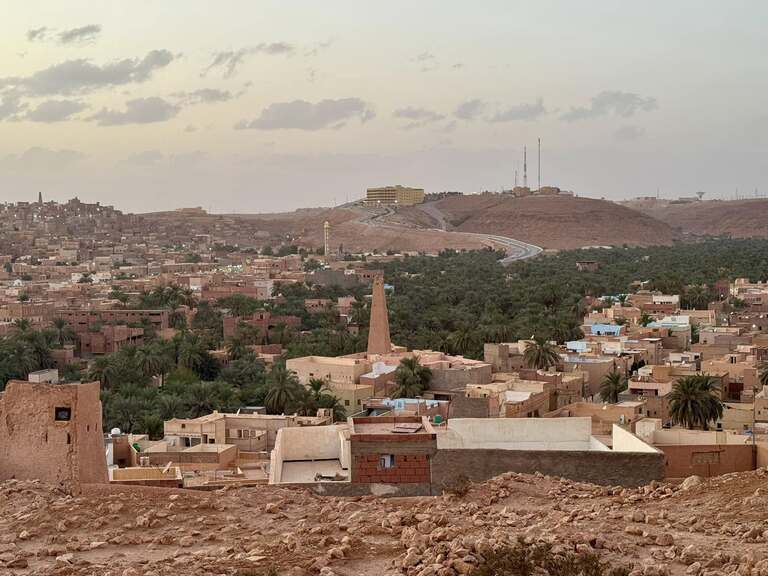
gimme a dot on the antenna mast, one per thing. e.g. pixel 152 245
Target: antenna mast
pixel 525 166
pixel 539 165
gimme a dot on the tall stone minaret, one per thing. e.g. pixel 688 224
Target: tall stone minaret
pixel 40 198
pixel 378 333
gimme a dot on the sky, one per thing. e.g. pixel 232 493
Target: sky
pixel 265 106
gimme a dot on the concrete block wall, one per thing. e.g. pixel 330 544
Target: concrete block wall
pixel 607 468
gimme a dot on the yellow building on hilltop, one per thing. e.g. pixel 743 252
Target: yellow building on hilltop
pixel 394 195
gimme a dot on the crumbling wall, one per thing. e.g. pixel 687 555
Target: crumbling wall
pixel 35 445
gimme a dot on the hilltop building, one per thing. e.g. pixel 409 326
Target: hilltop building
pixel 394 196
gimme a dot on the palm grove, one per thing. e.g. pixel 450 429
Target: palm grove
pixel 453 303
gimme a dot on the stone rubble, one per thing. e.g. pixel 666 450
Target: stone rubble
pixel 700 527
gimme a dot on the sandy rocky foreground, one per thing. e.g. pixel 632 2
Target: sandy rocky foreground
pixel 709 528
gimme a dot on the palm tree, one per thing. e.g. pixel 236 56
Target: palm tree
pixel 305 403
pixel 154 361
pixel 613 384
pixel 237 349
pixel 412 378
pixel 100 370
pixel 118 294
pixel 330 402
pixel 317 387
pixel 191 353
pixel 541 354
pixel 63 331
pixel 464 341
pixel 694 402
pixel 170 406
pixel 22 325
pixel 645 319
pixel 282 389
pixel 201 399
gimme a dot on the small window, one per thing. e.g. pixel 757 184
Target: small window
pixel 183 426
pixel 62 414
pixel 346 402
pixel 386 461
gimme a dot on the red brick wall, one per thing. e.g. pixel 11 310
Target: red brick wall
pixel 408 468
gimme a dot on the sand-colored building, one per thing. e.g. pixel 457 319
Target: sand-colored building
pixel 394 195
pixel 249 432
pixel 52 432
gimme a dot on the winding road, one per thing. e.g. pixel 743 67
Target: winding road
pixel 515 249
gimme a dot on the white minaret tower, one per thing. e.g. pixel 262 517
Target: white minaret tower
pixel 327 238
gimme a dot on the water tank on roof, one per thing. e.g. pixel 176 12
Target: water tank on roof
pixel 115 432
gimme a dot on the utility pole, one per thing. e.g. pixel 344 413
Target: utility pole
pixel 539 165
pixel 525 166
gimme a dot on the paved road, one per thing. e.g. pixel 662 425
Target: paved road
pixel 515 249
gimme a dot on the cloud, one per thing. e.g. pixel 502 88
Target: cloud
pixel 520 112
pixel 230 60
pixel 137 111
pixel 303 115
pixel 37 34
pixel 10 105
pixel 80 76
pixel 424 57
pixel 470 109
pixel 146 158
pixel 417 116
pixel 205 96
pixel 80 35
pixel 38 158
pixel 629 133
pixel 623 104
pixel 55 111
pixel 314 49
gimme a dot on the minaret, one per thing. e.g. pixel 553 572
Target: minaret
pixel 327 239
pixel 378 332
pixel 40 198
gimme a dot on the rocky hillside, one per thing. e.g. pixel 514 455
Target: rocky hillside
pixel 355 230
pixel 513 524
pixel 554 221
pixel 735 218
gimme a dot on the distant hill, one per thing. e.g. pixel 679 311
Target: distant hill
pixel 559 222
pixel 355 230
pixel 736 218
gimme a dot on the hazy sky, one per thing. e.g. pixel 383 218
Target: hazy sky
pixel 257 105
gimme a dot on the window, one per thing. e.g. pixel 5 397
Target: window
pixel 346 402
pixel 386 461
pixel 62 414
